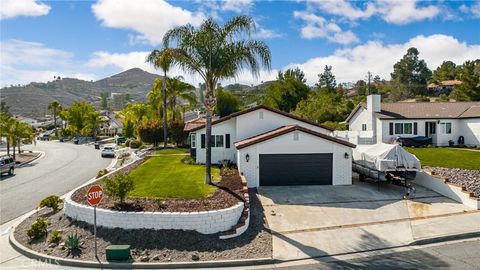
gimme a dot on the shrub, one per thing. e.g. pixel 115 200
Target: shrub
pixel 51 201
pixel 176 133
pixel 151 132
pixel 421 98
pixel 119 186
pixel 73 242
pixel 127 143
pixel 38 229
pixel 55 237
pixel 102 173
pixel 135 144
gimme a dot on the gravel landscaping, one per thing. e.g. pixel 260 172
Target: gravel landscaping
pixel 154 245
pixel 468 178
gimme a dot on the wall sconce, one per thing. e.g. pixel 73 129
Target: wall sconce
pixel 347 156
pixel 247 157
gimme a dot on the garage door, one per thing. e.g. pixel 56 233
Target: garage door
pixel 295 169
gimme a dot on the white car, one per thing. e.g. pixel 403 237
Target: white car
pixel 108 151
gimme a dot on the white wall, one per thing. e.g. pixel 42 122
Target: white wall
pixel 470 129
pixel 306 144
pixel 219 153
pixel 250 124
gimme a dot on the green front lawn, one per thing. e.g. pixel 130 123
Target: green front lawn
pixel 447 157
pixel 167 177
pixel 170 151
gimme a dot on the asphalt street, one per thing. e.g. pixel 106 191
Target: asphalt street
pixel 64 167
pixel 457 255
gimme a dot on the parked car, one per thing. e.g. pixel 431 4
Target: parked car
pixel 120 140
pixel 7 165
pixel 75 140
pixel 108 151
pixel 43 137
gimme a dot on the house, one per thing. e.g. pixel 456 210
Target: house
pixel 444 87
pixel 271 147
pixel 111 124
pixel 442 121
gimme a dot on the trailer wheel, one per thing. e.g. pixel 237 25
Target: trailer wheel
pixel 361 177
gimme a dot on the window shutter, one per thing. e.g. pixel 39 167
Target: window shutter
pixel 203 140
pixel 415 128
pixel 391 129
pixel 227 140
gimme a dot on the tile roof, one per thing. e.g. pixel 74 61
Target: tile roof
pixel 426 110
pixel 197 122
pixel 284 130
pixel 265 108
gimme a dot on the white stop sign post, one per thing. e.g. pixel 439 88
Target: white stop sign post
pixel 94 197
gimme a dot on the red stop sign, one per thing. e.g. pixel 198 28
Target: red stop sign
pixel 94 195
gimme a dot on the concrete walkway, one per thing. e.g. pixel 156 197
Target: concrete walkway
pixel 313 221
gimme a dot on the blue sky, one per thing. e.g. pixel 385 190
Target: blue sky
pixel 94 39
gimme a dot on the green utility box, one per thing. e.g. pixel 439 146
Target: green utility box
pixel 118 252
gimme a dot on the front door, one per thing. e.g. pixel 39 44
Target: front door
pixel 430 129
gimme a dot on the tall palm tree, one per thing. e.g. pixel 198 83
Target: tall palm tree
pixel 155 97
pixel 215 53
pixel 55 107
pixel 178 90
pixel 162 59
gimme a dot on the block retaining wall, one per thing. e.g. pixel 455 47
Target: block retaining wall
pixel 206 222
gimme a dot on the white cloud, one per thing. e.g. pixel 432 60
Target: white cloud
pixel 24 62
pixel 473 9
pixel 392 11
pixel 318 27
pixel 238 6
pixel 150 18
pixel 13 8
pixel 353 63
pixel 264 33
pixel 405 11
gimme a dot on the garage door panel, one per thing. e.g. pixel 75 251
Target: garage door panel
pixel 295 169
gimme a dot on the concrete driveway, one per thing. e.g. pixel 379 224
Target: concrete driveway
pixel 313 221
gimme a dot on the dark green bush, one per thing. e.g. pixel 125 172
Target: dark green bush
pixel 119 186
pixel 38 229
pixel 51 201
pixel 127 143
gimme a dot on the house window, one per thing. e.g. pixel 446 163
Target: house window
pixel 446 128
pixel 403 128
pixel 364 127
pixel 295 136
pixel 260 115
pixel 193 142
pixel 216 141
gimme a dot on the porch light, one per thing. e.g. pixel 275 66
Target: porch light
pixel 247 157
pixel 347 156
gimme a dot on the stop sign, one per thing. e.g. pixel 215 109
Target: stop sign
pixel 94 195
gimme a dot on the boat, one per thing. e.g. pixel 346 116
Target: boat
pixel 385 163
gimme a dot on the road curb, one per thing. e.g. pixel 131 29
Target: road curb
pixel 445 238
pixel 42 154
pixel 136 265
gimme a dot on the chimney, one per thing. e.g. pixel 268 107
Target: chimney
pixel 374 103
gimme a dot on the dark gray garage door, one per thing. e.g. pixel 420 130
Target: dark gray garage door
pixel 295 169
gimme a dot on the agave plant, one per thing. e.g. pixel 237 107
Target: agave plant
pixel 72 242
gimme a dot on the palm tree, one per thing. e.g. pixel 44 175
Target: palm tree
pixel 155 97
pixel 55 107
pixel 215 53
pixel 162 59
pixel 177 89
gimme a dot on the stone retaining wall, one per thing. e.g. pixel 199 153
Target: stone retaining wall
pixel 206 222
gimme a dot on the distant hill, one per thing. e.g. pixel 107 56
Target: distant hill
pixel 249 94
pixel 31 100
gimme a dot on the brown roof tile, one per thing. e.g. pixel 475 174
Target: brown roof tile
pixel 284 130
pixel 426 110
pixel 265 108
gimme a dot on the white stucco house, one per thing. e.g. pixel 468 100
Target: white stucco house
pixel 271 147
pixel 442 121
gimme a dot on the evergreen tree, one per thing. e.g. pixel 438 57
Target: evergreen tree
pixel 326 80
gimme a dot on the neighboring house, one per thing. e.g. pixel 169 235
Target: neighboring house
pixel 444 87
pixel 271 147
pixel 442 121
pixel 111 125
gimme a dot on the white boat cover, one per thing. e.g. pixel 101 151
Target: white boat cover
pixel 385 157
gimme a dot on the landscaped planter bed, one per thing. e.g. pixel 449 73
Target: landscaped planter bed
pixel 470 179
pixel 227 195
pixel 155 245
